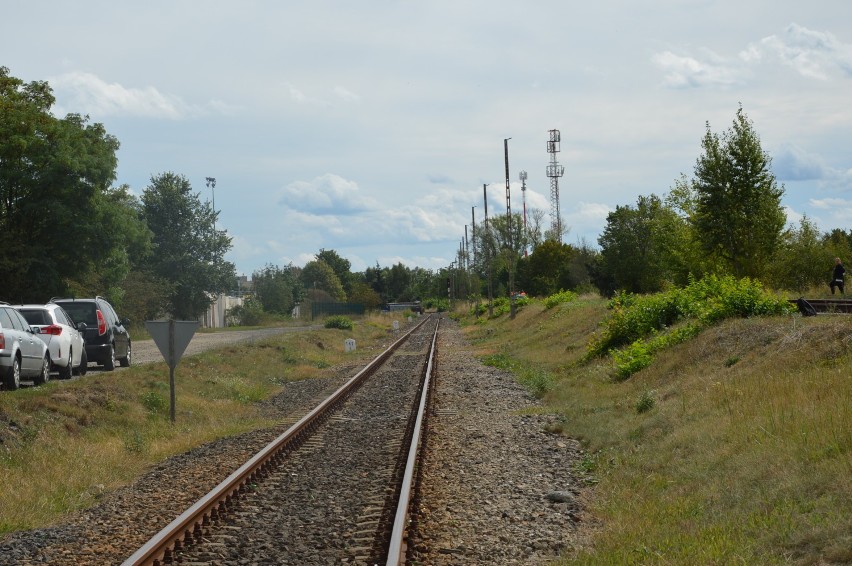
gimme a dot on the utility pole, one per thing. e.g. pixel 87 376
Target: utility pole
pixel 486 246
pixel 523 176
pixel 510 250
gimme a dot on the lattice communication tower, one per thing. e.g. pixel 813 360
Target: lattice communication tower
pixel 554 171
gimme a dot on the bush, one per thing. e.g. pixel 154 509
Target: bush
pixel 559 298
pixel 338 321
pixel 706 301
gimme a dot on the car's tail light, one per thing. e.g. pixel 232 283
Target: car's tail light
pixel 101 323
pixel 53 329
pixel 2 341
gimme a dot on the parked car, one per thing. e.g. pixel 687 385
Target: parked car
pixel 107 337
pixel 22 353
pixel 63 337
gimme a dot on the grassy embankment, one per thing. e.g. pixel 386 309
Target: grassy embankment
pixel 734 447
pixel 64 444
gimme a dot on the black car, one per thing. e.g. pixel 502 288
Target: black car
pixel 107 338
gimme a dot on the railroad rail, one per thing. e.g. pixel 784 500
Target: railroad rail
pixel 829 306
pixel 193 525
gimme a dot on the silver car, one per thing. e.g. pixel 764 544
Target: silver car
pixel 22 353
pixel 64 339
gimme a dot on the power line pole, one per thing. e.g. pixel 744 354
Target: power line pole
pixel 486 247
pixel 510 249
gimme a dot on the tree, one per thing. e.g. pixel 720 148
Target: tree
pixel 51 170
pixel 738 216
pixel 633 255
pixel 320 276
pixel 340 265
pixel 546 270
pixel 277 289
pixel 803 259
pixel 188 250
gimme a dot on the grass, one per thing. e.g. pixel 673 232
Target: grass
pixel 733 447
pixel 64 444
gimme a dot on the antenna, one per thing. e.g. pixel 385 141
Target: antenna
pixel 554 171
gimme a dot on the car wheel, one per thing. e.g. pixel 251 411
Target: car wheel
pixel 84 363
pixel 12 379
pixel 65 372
pixel 125 361
pixel 109 362
pixel 44 376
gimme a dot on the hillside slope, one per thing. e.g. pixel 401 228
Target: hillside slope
pixel 733 447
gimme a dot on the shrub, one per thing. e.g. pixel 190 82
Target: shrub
pixel 646 402
pixel 559 298
pixel 338 321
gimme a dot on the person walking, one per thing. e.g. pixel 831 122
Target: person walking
pixel 837 276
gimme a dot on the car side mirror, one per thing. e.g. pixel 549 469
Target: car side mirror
pixel 81 326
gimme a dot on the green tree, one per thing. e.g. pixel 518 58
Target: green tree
pixel 340 265
pixel 802 259
pixel 547 269
pixel 188 250
pixel 277 289
pixel 633 252
pixel 738 216
pixel 54 178
pixel 363 294
pixel 320 276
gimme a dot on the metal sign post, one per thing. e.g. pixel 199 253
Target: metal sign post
pixel 172 337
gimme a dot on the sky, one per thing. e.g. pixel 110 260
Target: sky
pixel 371 127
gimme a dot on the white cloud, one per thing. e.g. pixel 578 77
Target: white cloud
pixel 88 94
pixel 346 94
pixel 811 53
pixel 682 71
pixel 327 193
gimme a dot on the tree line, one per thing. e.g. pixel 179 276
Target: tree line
pixel 65 230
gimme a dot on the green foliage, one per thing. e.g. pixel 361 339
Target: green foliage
pixel 277 289
pixel 559 298
pixel 738 217
pixel 338 321
pixel 704 302
pixel 55 176
pixel 646 402
pixel 537 381
pixel 250 313
pixel 154 403
pixel 636 249
pixel 440 305
pixel 189 249
pixel 320 276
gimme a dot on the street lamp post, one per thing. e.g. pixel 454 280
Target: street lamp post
pixel 211 184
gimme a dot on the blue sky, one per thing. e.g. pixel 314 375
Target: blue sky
pixel 370 127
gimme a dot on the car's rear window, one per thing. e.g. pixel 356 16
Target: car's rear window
pixel 36 317
pixel 81 312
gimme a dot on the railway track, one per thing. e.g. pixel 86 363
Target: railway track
pixel 829 306
pixel 334 488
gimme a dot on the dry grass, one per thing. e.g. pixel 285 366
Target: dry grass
pixel 63 444
pixel 743 457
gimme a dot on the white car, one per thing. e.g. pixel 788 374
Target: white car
pixel 64 339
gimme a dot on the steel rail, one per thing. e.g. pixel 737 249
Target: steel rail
pixel 837 306
pixel 188 527
pixel 397 547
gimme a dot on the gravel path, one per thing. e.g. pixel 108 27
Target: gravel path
pixel 497 489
